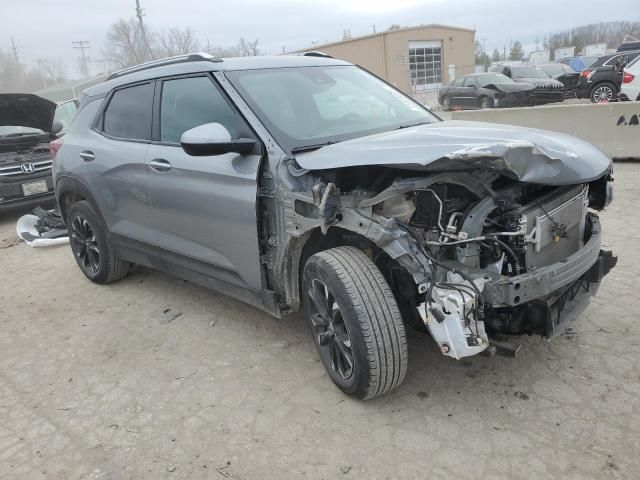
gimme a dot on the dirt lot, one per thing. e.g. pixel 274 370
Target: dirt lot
pixel 103 382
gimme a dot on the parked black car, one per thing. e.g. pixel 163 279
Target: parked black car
pixel 600 84
pixel 547 90
pixel 563 73
pixel 27 124
pixel 485 90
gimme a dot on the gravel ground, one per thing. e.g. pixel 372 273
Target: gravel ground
pixel 155 378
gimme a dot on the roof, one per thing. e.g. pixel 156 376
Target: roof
pixel 227 64
pixel 384 32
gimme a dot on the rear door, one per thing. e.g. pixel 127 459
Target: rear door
pixel 454 92
pixel 114 161
pixel 469 92
pixel 204 208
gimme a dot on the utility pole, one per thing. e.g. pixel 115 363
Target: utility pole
pixel 15 50
pixel 142 30
pixel 83 45
pixel 484 44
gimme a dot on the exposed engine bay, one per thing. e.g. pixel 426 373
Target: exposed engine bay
pixel 471 254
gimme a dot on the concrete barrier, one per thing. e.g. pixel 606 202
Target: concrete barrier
pixel 614 128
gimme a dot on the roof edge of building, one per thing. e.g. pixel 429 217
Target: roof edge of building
pixel 380 34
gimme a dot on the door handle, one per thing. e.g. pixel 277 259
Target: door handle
pixel 159 165
pixel 87 156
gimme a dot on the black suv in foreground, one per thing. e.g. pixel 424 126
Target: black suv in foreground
pixel 27 124
pixel 304 181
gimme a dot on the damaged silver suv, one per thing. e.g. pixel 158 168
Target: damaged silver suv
pixel 305 181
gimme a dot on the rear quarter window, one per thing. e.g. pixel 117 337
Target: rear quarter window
pixel 128 114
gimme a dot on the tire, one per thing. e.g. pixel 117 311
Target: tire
pixel 90 245
pixel 485 102
pixel 354 315
pixel 605 91
pixel 446 103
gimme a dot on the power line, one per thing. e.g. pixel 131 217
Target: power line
pixel 143 32
pixel 15 50
pixel 83 45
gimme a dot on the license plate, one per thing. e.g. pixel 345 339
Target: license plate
pixel 33 188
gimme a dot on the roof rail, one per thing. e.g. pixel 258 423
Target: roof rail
pixel 189 57
pixel 317 54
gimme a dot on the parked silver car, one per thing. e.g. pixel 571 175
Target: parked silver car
pixel 304 180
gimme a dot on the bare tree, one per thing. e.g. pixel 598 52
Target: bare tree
pixel 247 48
pixel 51 70
pixel 611 33
pixel 176 41
pixel 126 46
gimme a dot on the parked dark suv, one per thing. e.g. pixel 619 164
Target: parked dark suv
pixel 304 180
pixel 27 124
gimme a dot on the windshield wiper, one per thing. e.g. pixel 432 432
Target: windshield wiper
pixel 311 148
pixel 409 125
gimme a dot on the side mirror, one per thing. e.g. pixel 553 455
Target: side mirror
pixel 213 139
pixel 56 127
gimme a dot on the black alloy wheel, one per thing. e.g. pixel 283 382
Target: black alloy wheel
pixel 84 245
pixel 329 329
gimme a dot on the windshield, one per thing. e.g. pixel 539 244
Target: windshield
pixel 492 78
pixel 309 107
pixel 527 72
pixel 17 131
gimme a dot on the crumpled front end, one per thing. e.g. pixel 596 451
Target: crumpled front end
pixel 475 252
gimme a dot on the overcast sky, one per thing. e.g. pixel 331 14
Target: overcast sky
pixel 46 28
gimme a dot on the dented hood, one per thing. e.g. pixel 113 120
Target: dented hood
pixel 524 154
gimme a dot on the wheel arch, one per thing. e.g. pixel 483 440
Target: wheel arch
pixel 299 249
pixel 70 190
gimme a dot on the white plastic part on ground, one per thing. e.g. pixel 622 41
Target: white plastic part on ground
pixel 26 230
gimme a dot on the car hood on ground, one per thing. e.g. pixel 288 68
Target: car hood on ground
pixel 541 82
pixel 26 110
pixel 510 87
pixel 524 154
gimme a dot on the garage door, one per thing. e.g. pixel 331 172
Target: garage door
pixel 425 64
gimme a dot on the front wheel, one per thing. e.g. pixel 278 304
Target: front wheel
pixel 355 322
pixel 603 92
pixel 446 103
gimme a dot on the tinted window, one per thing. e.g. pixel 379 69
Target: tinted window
pixel 128 114
pixel 469 82
pixel 189 102
pixel 492 78
pixel 458 82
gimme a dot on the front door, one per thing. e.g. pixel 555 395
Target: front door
pixel 204 208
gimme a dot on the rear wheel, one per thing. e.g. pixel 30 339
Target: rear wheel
pixel 603 92
pixel 90 245
pixel 355 321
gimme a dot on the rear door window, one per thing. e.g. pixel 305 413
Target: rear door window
pixel 469 82
pixel 128 114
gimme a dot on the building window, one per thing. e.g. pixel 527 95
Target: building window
pixel 425 64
